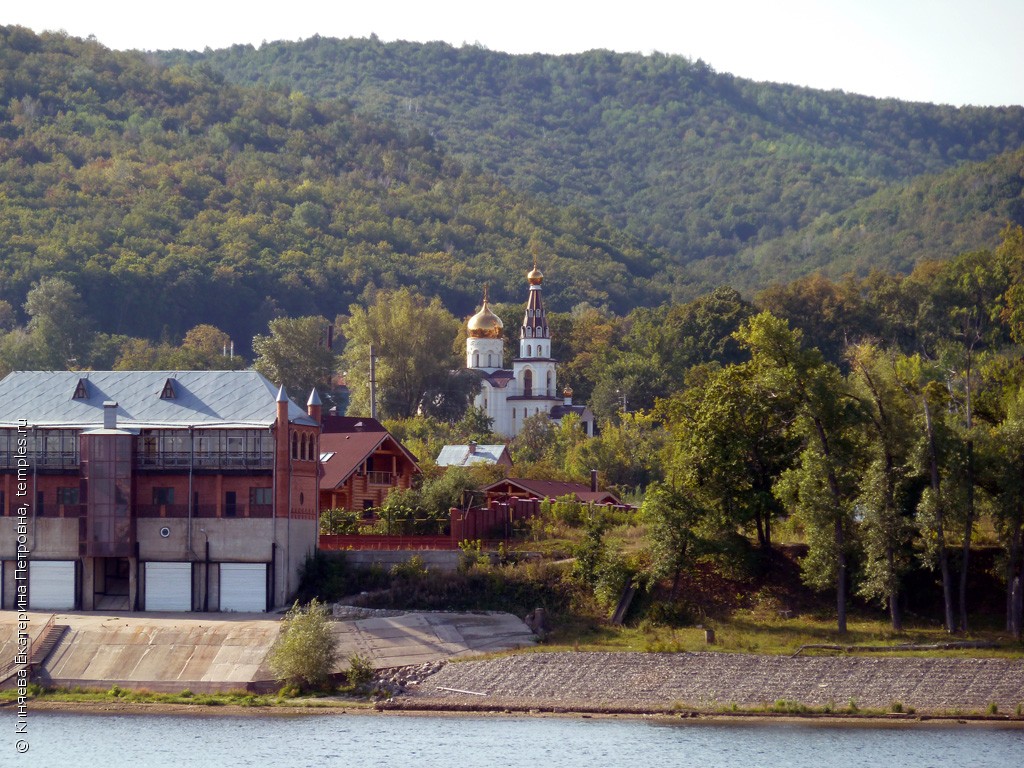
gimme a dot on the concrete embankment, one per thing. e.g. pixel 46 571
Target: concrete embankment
pixel 651 682
pixel 221 652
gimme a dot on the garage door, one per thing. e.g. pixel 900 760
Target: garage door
pixel 51 585
pixel 168 586
pixel 243 587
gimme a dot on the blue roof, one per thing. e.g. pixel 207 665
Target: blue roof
pixel 191 398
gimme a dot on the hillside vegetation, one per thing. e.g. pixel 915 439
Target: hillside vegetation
pixel 704 165
pixel 168 198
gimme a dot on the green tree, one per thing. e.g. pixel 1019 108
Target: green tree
pixel 885 500
pixel 673 521
pixel 305 651
pixel 58 324
pixel 413 341
pixel 295 355
pixel 730 441
pixel 821 487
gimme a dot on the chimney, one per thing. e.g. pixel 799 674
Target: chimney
pixel 593 480
pixel 109 414
pixel 567 394
pixel 313 406
pixel 472 447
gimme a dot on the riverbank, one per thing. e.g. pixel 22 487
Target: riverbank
pixel 675 685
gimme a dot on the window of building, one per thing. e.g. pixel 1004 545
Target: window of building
pixel 295 445
pixel 163 497
pixel 3 506
pixel 260 497
pixel 67 497
pixel 167 393
pixel 230 504
pixel 528 382
pixel 81 391
pixel 476 359
pixel 40 503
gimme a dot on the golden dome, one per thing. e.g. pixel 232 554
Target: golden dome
pixel 535 276
pixel 485 324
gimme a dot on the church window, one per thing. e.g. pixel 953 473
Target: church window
pixel 513 414
pixel 490 363
pixel 529 351
pixel 528 382
pixel 529 332
pixel 551 383
pixel 476 359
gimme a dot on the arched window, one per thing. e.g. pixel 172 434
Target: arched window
pixel 529 332
pixel 476 359
pixel 295 445
pixel 304 448
pixel 529 350
pixel 490 360
pixel 528 382
pixel 551 383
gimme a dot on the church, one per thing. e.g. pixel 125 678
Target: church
pixel 510 395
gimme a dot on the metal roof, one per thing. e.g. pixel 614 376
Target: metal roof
pixel 461 456
pixel 194 398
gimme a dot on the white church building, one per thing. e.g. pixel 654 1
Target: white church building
pixel 510 395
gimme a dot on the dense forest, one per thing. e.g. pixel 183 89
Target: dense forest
pixel 166 198
pixel 710 168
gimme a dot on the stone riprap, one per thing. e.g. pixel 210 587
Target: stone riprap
pixel 584 681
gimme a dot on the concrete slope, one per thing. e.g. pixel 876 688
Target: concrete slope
pixel 218 651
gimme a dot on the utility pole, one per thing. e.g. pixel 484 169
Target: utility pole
pixel 373 384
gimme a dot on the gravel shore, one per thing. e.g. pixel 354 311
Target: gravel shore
pixel 657 682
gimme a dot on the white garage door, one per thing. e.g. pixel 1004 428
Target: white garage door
pixel 243 587
pixel 51 585
pixel 168 586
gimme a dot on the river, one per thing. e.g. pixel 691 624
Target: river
pixel 61 740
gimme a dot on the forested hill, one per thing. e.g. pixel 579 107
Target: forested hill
pixel 930 217
pixel 168 198
pixel 705 165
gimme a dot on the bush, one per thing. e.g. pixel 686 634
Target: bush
pixel 305 651
pixel 360 671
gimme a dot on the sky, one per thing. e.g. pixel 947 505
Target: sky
pixel 941 51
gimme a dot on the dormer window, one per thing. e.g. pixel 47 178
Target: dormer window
pixel 82 390
pixel 167 393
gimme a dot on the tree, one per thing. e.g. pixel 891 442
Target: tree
pixel 413 341
pixel 673 518
pixel 305 651
pixel 58 324
pixel 730 441
pixel 821 487
pixel 295 355
pixel 885 501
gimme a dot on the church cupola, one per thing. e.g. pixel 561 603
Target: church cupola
pixel 485 344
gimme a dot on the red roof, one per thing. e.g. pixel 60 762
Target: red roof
pixel 552 489
pixel 342 453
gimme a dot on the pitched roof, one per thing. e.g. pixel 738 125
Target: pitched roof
pixel 498 379
pixel 553 489
pixel 342 453
pixel 145 399
pixel 461 456
pixel 561 411
pixel 331 423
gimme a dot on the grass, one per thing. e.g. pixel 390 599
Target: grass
pixel 748 632
pixel 240 698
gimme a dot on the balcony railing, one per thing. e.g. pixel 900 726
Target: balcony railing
pixel 380 478
pixel 183 459
pixel 204 510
